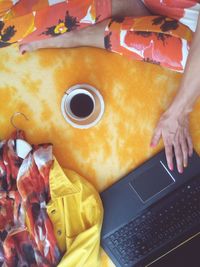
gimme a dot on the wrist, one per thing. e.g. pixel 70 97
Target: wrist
pixel 182 105
pixel 177 109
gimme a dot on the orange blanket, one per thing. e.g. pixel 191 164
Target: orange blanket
pixel 135 94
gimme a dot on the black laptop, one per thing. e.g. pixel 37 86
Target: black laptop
pixel 150 212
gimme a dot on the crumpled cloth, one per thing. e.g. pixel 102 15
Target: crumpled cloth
pixel 24 194
pixel 49 216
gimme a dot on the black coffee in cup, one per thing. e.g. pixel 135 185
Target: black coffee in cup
pixel 81 105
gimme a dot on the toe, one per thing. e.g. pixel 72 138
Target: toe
pixel 25 48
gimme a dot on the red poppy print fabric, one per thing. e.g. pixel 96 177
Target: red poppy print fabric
pixel 24 193
pixel 164 39
pixel 27 21
pixel 154 39
pixel 186 11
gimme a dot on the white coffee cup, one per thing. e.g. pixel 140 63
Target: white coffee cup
pixel 82 122
pixel 69 98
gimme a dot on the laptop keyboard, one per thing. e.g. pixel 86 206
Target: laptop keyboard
pixel 174 215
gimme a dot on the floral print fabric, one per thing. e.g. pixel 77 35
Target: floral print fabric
pixel 26 232
pixel 155 39
pixel 185 11
pixel 32 20
pixel 163 40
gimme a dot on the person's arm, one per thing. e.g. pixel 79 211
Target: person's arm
pixel 148 39
pixel 173 126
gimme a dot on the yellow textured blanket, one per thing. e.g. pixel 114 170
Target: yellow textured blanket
pixel 135 95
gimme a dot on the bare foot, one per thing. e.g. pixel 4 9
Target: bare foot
pixel 65 40
pixel 89 36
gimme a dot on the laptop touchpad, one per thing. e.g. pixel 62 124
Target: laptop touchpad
pixel 152 181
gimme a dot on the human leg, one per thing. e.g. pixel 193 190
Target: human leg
pixel 90 36
pixel 152 39
pixel 28 21
pixel 129 8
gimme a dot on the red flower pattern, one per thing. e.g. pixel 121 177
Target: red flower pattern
pixel 24 189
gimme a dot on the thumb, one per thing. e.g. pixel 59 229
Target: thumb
pixel 156 137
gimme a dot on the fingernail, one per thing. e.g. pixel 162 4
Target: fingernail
pixel 185 165
pixel 23 52
pixel 152 145
pixel 171 167
pixel 180 170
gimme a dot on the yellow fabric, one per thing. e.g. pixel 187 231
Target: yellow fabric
pixel 76 212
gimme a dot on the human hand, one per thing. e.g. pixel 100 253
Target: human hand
pixel 174 130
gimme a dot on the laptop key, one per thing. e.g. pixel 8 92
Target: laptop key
pixel 109 243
